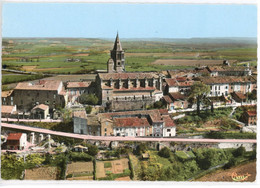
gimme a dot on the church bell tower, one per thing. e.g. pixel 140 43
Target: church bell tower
pixel 117 54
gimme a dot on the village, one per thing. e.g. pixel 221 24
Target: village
pixel 213 101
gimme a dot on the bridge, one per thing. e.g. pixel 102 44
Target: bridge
pixel 116 138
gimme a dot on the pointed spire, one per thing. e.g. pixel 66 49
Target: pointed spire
pixel 117 45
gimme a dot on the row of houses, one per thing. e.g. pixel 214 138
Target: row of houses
pixel 144 123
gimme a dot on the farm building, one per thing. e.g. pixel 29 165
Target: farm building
pixel 250 117
pixel 8 111
pixel 176 100
pixel 40 111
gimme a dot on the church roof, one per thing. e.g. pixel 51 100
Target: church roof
pixel 117 44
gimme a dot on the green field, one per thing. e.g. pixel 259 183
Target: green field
pixel 51 55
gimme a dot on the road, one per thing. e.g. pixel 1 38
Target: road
pixel 114 138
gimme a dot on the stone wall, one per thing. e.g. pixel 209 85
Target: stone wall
pixel 131 105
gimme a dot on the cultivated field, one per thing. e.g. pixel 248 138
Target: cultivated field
pixel 80 171
pixel 187 62
pixel 42 173
pixel 226 175
pixel 81 56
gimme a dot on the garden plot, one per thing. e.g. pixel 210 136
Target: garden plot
pixel 42 173
pixel 80 171
pixel 105 168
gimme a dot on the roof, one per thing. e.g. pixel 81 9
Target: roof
pixel 131 122
pixel 175 82
pixel 42 107
pixel 78 84
pixel 226 68
pixel 251 113
pixel 117 44
pixel 168 99
pixel 168 121
pixel 126 75
pixel 227 79
pixel 240 95
pixel 80 114
pixel 177 96
pixel 7 109
pixel 49 85
pixel 14 136
pixel 6 93
pixel 154 115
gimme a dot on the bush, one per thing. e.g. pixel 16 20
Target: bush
pixel 165 152
pixel 75 156
pixel 239 152
pixel 90 99
pixel 88 109
pixel 140 149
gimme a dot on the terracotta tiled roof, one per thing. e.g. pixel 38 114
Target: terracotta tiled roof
pixel 168 99
pixel 154 115
pixel 131 122
pixel 225 68
pixel 227 79
pixel 174 82
pixel 240 95
pixel 6 93
pixel 163 111
pixel 80 114
pixel 168 121
pixel 6 109
pixel 251 113
pixel 177 96
pixel 130 75
pixel 14 136
pixel 78 84
pixel 41 106
pixel 41 85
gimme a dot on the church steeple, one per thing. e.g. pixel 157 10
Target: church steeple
pixel 117 44
pixel 118 57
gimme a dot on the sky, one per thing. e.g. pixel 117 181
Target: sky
pixel 88 20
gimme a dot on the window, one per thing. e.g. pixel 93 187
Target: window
pixel 105 134
pixel 218 87
pixel 226 87
pixel 54 96
pixel 108 98
pixel 168 130
pixel 118 63
pixel 4 99
pixel 105 129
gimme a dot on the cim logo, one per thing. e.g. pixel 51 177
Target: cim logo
pixel 236 177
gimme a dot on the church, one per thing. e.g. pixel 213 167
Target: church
pixel 119 90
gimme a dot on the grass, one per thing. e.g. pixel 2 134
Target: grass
pixel 181 154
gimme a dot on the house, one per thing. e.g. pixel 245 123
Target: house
pixel 40 111
pixel 153 123
pixel 239 97
pixel 16 141
pixel 75 89
pixel 250 117
pixel 7 98
pixel 178 84
pixel 80 122
pixel 8 111
pixel 176 100
pixel 225 85
pixel 86 124
pixel 27 95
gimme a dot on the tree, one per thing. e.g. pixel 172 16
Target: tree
pixel 90 99
pixel 88 109
pixel 199 92
pixel 239 152
pixel 141 148
pixel 66 115
pixel 165 152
